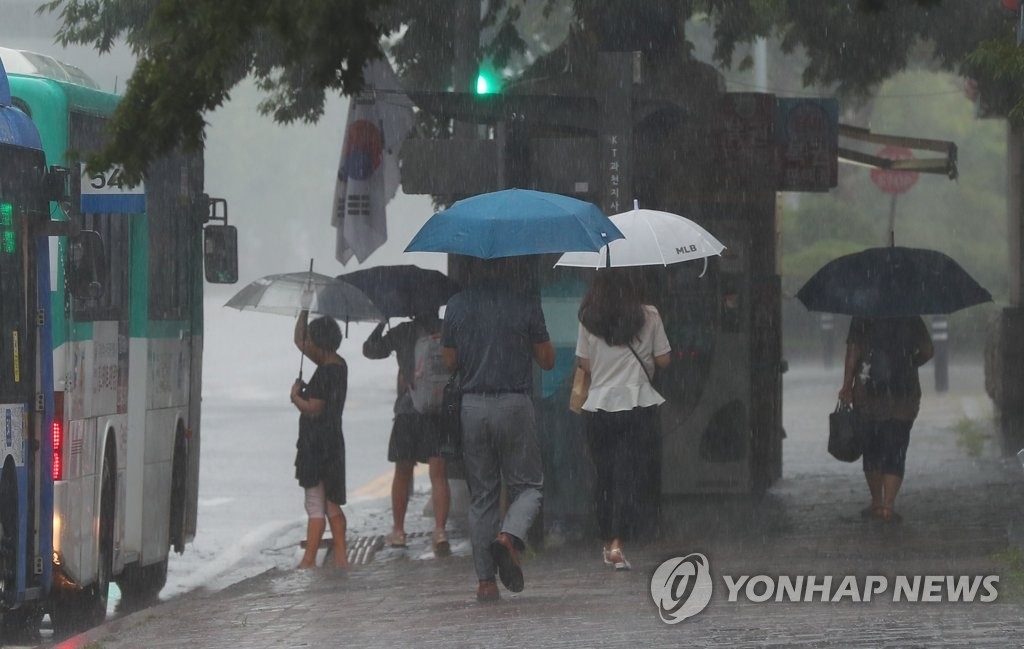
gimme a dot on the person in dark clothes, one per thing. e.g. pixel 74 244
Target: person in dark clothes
pixel 880 379
pixel 492 335
pixel 320 450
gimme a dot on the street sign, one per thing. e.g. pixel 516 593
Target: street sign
pixel 894 181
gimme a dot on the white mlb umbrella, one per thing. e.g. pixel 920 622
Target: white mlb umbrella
pixel 652 238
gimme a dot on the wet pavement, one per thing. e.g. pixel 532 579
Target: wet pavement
pixel 963 509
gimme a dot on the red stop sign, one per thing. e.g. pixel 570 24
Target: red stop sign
pixel 893 181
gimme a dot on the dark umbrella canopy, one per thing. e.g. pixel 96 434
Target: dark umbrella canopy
pixel 403 290
pixel 892 282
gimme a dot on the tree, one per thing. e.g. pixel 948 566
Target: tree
pixel 191 53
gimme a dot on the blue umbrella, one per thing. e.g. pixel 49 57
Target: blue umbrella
pixel 892 282
pixel 515 222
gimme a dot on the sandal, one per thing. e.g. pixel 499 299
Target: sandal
pixel 441 546
pixel 396 540
pixel 887 515
pixel 871 511
pixel 618 559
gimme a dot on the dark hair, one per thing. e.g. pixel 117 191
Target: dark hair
pixel 325 333
pixel 611 309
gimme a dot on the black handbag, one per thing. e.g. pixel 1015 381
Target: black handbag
pixel 451 418
pixel 844 433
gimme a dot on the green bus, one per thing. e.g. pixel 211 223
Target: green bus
pixel 125 295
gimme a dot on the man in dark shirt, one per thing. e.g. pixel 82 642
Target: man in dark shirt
pixel 492 334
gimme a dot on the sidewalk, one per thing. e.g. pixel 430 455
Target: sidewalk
pixel 964 516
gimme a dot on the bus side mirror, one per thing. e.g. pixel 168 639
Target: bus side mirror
pixel 220 254
pixel 56 184
pixel 86 264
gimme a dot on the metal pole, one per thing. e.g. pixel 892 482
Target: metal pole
pixel 828 339
pixel 892 220
pixel 940 340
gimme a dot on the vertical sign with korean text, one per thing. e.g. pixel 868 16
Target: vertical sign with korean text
pixel 616 142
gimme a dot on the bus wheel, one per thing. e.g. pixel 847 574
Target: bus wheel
pixel 8 532
pixel 141 585
pixel 179 491
pixel 76 610
pixel 21 625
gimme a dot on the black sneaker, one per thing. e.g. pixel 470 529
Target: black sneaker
pixel 506 558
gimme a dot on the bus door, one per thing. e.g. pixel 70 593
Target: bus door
pixel 25 518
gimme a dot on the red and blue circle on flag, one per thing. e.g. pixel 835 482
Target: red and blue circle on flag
pixel 363 150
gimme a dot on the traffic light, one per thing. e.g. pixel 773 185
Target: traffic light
pixel 488 81
pixel 8 242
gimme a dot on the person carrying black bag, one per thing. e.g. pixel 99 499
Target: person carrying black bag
pixel 880 380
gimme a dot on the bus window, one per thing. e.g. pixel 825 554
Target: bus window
pixel 220 254
pixel 108 244
pixel 86 267
pixel 173 213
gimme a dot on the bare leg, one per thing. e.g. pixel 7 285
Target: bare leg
pixel 339 528
pixel 890 487
pixel 875 485
pixel 400 493
pixel 440 493
pixel 314 532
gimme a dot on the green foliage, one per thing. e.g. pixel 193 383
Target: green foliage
pixel 191 53
pixel 998 67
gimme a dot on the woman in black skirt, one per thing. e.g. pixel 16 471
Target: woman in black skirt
pixel 320 457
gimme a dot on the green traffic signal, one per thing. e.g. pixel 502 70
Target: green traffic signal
pixel 487 80
pixel 8 240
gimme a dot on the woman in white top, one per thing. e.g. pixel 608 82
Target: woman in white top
pixel 620 342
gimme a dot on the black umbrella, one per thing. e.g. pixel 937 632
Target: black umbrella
pixel 403 290
pixel 892 282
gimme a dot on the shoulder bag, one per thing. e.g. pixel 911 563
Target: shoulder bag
pixel 844 433
pixel 451 417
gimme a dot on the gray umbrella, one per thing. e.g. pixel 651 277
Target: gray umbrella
pixel 282 294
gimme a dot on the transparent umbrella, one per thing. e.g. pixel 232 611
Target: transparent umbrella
pixel 284 294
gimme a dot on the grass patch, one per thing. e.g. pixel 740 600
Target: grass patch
pixel 970 436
